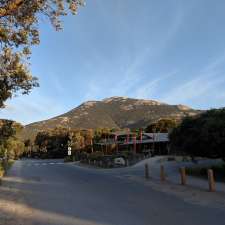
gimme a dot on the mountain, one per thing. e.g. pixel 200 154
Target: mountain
pixel 114 112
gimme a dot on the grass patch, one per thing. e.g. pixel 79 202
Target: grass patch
pixel 218 169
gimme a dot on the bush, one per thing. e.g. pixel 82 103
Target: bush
pixel 15 148
pixel 95 156
pixel 219 171
pixel 202 136
pixel 1 169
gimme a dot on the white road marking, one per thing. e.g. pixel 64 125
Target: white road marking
pixel 44 164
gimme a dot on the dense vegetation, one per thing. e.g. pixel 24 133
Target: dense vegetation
pixel 202 135
pixel 10 146
pixel 162 126
pixel 54 143
pixel 218 169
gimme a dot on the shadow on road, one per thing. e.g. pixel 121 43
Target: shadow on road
pixel 66 195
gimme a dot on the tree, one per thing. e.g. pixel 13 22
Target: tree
pixel 88 137
pixel 19 21
pixel 8 131
pixel 162 125
pixel 77 140
pixel 53 142
pixel 203 135
pixel 8 128
pixel 15 148
pixel 101 133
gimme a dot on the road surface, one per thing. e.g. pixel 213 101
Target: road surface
pixel 44 192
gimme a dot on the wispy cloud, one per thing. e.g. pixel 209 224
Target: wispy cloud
pixel 202 84
pixel 147 89
pixel 27 111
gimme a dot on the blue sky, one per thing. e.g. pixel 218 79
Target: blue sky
pixel 167 50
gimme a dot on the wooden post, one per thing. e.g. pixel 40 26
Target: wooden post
pixel 146 171
pixel 212 185
pixel 183 176
pixel 162 173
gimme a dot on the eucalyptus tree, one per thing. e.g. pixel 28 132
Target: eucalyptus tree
pixel 19 31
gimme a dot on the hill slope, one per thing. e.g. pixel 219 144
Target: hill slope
pixel 115 112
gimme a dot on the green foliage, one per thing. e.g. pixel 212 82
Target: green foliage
pixel 2 151
pixel 14 75
pixel 1 169
pixel 203 135
pixel 162 126
pixel 15 148
pixel 100 133
pixel 69 159
pixel 8 128
pixel 218 169
pixel 53 143
pixel 10 146
pixel 19 20
pixel 28 143
pixel 95 155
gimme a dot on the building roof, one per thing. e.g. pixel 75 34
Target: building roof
pixel 158 137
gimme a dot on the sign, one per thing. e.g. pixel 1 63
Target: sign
pixel 69 151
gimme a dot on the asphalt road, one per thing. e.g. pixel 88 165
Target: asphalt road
pixel 50 192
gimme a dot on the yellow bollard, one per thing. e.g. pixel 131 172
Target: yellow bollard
pixel 146 171
pixel 212 185
pixel 162 173
pixel 183 176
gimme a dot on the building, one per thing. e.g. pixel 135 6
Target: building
pixel 144 143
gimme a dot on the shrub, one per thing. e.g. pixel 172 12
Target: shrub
pixel 218 169
pixel 203 135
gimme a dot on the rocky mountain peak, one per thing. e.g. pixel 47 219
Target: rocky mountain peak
pixel 114 112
